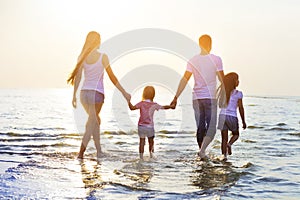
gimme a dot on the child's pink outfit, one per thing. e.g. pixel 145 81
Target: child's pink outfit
pixel 146 124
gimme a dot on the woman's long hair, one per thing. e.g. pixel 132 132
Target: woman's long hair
pixel 225 89
pixel 92 41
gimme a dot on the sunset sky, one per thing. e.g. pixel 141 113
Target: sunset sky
pixel 259 39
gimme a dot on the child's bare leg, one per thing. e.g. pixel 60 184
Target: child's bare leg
pixel 141 147
pixel 151 146
pixel 234 137
pixel 224 142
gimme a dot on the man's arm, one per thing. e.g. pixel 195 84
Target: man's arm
pixel 220 75
pixel 168 107
pixel 184 80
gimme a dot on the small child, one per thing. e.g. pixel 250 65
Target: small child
pixel 145 124
pixel 229 100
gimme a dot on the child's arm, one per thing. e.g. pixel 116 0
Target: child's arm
pixel 242 112
pixel 131 107
pixel 168 107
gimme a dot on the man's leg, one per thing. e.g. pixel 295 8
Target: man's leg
pixel 200 121
pixel 210 107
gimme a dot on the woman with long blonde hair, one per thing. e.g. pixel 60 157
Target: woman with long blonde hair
pixel 92 63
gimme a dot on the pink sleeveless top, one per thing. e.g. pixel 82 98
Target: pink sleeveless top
pixel 93 76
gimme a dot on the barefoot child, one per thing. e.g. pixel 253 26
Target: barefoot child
pixel 229 100
pixel 145 124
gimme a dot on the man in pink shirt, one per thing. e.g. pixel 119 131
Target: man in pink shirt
pixel 206 68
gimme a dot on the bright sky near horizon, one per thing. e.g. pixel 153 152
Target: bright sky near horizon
pixel 41 39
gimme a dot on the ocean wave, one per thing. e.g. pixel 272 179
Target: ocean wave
pixel 247 165
pixel 281 124
pixel 120 143
pixel 165 123
pixel 269 97
pixel 175 132
pixel 45 154
pixel 255 127
pixel 252 105
pixel 27 139
pixel 289 139
pixel 129 187
pixel 164 136
pixel 271 179
pixel 64 155
pixel 38 128
pixel 295 134
pixel 280 129
pixel 14 136
pixel 25 154
pixel 38 146
pixel 15 140
pixel 118 132
pixel 40 134
pixel 248 141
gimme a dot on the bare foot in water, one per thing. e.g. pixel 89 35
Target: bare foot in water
pixel 202 156
pixel 224 157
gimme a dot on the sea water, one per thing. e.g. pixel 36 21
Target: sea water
pixel 40 135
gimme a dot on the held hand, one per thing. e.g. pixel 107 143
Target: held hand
pixel 174 103
pixel 172 106
pixel 74 102
pixel 127 96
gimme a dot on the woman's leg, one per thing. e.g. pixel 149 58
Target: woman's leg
pixel 92 127
pixel 96 131
pixel 87 134
pixel 224 142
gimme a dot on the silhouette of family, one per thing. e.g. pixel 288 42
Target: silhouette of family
pixel 205 68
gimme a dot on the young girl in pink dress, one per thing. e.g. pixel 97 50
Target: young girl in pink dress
pixel 146 124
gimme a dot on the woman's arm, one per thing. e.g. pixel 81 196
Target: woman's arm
pixel 76 84
pixel 242 112
pixel 113 78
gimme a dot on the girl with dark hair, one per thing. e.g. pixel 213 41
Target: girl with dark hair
pixel 229 100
